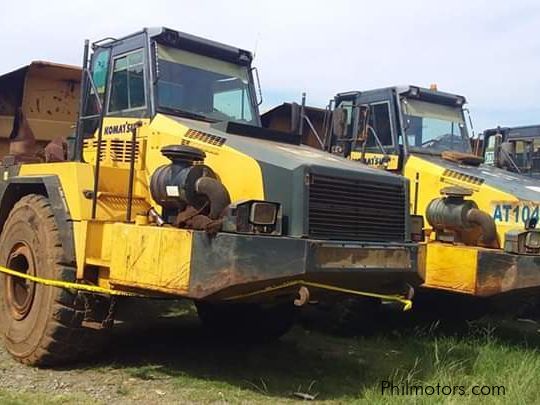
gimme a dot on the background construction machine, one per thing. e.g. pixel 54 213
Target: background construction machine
pixel 480 220
pixel 516 149
pixel 171 188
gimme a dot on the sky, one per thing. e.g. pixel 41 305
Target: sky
pixel 488 51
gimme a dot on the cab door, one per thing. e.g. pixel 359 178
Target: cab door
pixel 379 148
pixel 378 141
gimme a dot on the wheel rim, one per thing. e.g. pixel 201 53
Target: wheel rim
pixel 19 291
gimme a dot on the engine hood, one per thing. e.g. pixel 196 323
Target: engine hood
pixel 285 154
pixel 289 172
pixel 521 187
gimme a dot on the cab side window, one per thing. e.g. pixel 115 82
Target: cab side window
pixel 100 69
pixel 379 121
pixel 127 83
pixel 92 102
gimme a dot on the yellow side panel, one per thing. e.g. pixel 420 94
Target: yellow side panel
pixel 240 173
pixel 451 267
pixel 74 178
pixel 150 257
pixel 99 242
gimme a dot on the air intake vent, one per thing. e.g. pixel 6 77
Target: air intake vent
pixel 120 150
pixel 348 209
pixel 114 150
pixel 206 138
pixel 466 178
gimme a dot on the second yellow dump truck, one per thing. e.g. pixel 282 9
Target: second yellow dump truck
pixel 480 221
pixel 171 188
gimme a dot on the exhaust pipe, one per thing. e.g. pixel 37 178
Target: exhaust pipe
pixel 453 213
pixel 215 192
pixel 487 224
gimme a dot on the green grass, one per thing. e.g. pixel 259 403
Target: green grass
pixel 336 369
pixel 180 361
pixel 9 397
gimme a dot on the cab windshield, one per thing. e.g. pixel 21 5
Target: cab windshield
pixel 193 84
pixel 434 128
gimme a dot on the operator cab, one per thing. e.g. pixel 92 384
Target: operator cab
pixel 164 71
pixel 516 149
pixel 397 121
pixel 161 71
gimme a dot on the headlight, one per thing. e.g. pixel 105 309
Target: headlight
pixel 263 213
pixel 522 242
pixel 260 217
pixel 532 240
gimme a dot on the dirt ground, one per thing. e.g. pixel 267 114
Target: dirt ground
pixel 173 360
pixel 113 378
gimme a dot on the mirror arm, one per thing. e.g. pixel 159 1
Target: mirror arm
pixel 327 127
pixel 310 124
pixel 94 89
pixel 476 150
pixel 78 155
pixel 511 160
pixel 379 143
pixel 302 115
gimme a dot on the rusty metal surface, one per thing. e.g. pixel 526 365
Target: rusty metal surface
pixel 232 264
pixel 191 218
pixel 280 118
pixel 501 273
pixel 338 257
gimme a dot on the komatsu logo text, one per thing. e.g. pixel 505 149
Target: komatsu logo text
pixel 119 129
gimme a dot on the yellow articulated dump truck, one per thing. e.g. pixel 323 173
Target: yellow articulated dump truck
pixel 171 188
pixel 480 221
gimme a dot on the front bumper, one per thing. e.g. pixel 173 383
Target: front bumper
pixel 501 272
pixel 480 272
pixel 229 265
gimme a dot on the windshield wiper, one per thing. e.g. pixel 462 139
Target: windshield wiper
pixel 186 114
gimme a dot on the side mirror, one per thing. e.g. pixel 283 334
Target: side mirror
pixel 258 86
pixel 363 123
pixel 339 122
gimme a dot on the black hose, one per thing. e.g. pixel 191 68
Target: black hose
pixel 487 224
pixel 216 193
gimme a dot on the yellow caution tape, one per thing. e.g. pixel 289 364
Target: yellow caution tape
pixel 407 303
pixel 66 284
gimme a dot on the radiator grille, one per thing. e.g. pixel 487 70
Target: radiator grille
pixel 356 210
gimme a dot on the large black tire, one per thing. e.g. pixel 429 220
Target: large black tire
pixel 41 325
pixel 247 322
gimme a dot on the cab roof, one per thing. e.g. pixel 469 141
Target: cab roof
pixel 188 42
pixel 411 91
